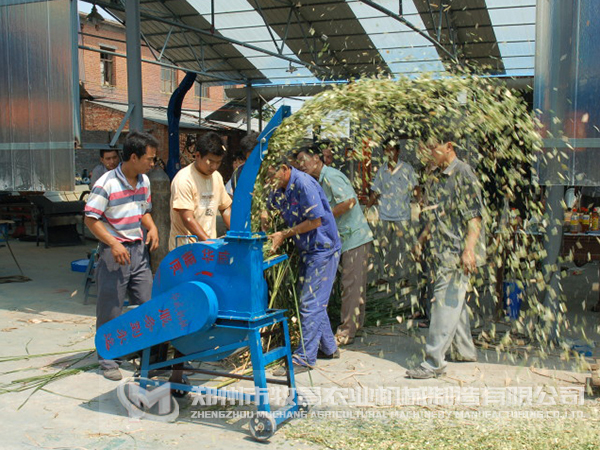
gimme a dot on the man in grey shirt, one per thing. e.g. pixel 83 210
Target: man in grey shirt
pixel 109 160
pixel 356 239
pixel 458 247
pixel 394 186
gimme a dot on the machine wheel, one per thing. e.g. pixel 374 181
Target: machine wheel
pixel 179 393
pixel 262 426
pixel 302 403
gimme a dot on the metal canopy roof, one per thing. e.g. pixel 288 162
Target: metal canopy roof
pixel 465 29
pixel 184 37
pixel 292 41
pixel 323 33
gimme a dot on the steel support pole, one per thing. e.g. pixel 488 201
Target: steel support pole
pixel 200 105
pixel 249 107
pixel 75 72
pixel 134 64
pixel 260 114
pixel 551 270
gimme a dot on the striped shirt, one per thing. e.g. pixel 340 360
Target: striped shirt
pixel 121 207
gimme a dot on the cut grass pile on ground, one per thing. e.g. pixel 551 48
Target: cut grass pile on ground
pixel 564 430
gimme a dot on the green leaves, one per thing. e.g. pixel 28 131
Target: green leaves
pixel 493 130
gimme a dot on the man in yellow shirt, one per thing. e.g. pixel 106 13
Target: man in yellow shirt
pixel 198 193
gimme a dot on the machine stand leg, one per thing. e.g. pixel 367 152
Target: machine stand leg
pixel 289 360
pixel 258 367
pixel 145 364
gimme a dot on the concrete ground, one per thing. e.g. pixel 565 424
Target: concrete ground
pixel 47 315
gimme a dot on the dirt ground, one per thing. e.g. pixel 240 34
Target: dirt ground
pixel 47 316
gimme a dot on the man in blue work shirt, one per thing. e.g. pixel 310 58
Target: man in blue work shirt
pixel 305 210
pixel 356 240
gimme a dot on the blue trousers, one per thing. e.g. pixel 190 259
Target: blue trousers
pixel 317 274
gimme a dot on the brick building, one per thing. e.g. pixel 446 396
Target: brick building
pixel 105 75
pixel 103 79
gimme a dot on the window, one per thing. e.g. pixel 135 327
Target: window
pixel 107 68
pixel 168 80
pixel 200 90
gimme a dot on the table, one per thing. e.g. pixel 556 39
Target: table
pixel 581 248
pixel 17 207
pixel 4 225
pixel 50 210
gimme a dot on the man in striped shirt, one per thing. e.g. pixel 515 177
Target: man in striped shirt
pixel 117 209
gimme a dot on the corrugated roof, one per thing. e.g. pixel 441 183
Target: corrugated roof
pixel 290 42
pixel 159 115
pixel 326 33
pixel 200 50
pixel 514 25
pixel 463 27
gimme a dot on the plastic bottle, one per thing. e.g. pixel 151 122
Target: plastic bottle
pixel 584 220
pixel 595 222
pixel 567 220
pixel 574 221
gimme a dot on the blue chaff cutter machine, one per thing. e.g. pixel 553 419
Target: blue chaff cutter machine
pixel 210 299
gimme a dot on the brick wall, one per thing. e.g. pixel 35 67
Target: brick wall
pixel 111 35
pixel 100 118
pixel 99 123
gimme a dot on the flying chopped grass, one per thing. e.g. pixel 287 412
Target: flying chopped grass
pixel 494 132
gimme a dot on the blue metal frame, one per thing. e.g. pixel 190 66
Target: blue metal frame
pixel 242 198
pixel 259 359
pixel 209 299
pixel 174 117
